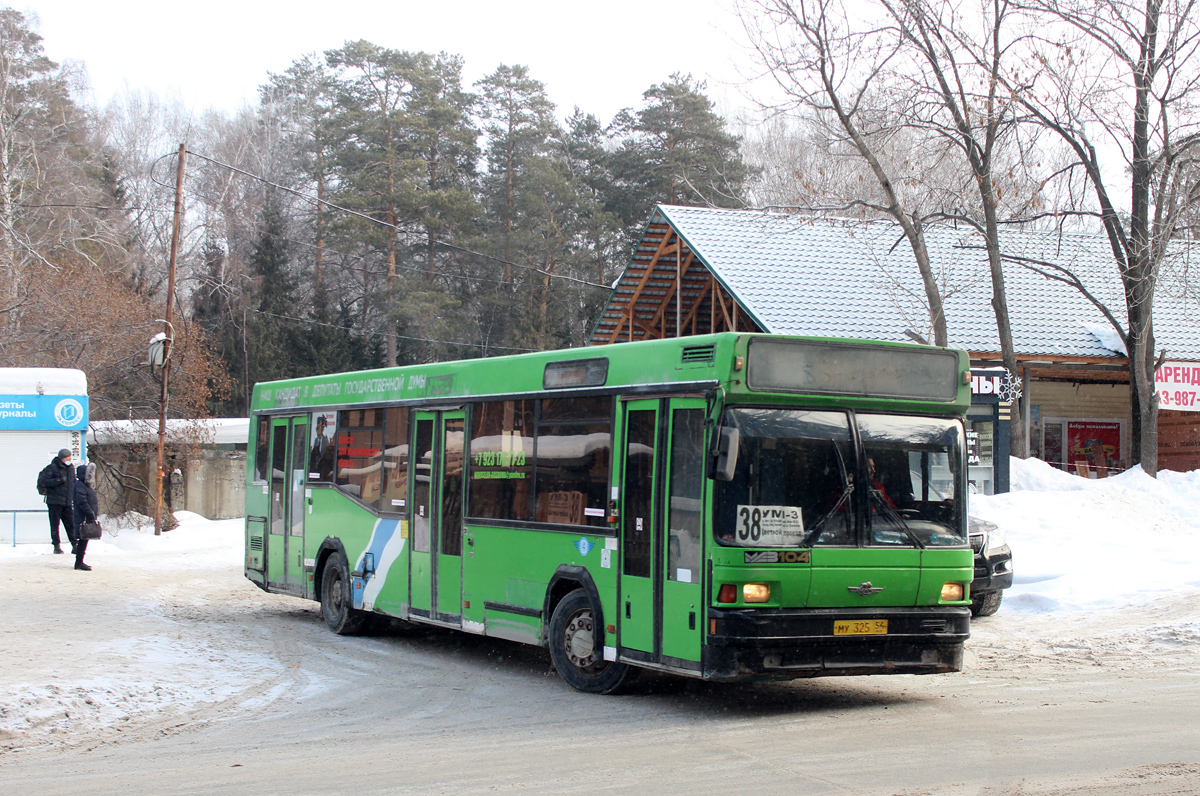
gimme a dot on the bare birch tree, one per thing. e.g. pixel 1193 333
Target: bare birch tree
pixel 961 97
pixel 1118 81
pixel 834 68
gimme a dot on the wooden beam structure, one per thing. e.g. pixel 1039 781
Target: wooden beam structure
pixel 666 281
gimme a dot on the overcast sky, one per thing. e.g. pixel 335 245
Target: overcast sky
pixel 599 56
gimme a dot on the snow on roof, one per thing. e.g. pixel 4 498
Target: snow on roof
pixel 828 277
pixel 210 431
pixel 43 381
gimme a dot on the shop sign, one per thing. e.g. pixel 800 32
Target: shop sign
pixel 1178 386
pixel 44 412
pixel 996 382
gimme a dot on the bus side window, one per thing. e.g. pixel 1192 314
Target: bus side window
pixel 574 447
pixel 501 464
pixel 685 514
pixel 359 453
pixel 262 458
pixel 395 460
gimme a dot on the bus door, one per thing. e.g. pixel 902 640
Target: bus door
pixel 436 574
pixel 662 498
pixel 285 542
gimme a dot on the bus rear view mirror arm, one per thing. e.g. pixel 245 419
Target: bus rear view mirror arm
pixel 726 454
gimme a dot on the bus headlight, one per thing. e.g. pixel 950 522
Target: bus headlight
pixel 756 592
pixel 952 592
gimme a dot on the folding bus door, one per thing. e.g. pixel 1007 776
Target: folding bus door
pixel 682 605
pixel 285 540
pixel 436 559
pixel 662 520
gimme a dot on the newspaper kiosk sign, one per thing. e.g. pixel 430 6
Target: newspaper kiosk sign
pixel 1178 386
pixel 44 412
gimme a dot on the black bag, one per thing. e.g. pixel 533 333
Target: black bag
pixel 89 530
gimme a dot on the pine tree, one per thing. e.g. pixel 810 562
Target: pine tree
pixel 272 335
pixel 674 150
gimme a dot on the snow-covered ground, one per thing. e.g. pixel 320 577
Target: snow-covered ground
pixel 1084 545
pixel 1078 544
pixel 166 632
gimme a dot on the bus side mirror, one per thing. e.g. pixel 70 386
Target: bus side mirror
pixel 727 454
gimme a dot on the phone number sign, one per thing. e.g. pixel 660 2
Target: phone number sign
pixel 1178 386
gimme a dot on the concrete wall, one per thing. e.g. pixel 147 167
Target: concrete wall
pixel 210 482
pixel 214 484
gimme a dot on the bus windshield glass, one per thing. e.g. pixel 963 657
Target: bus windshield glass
pixel 914 465
pixel 795 481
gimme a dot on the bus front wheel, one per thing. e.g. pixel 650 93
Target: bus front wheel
pixel 336 606
pixel 572 644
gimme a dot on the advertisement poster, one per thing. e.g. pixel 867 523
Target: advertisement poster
pixel 1096 442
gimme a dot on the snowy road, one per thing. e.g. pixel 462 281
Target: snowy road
pixel 162 672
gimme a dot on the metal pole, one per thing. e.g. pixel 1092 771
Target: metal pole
pixel 169 331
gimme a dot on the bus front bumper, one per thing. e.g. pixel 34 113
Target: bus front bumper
pixel 791 643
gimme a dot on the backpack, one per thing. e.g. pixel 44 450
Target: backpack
pixel 42 489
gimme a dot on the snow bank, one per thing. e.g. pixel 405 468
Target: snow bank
pixel 1088 545
pixel 196 543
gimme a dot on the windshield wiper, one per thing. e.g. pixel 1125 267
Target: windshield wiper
pixel 811 537
pixel 885 508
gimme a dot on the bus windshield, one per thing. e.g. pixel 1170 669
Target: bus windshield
pixel 794 484
pixel 914 465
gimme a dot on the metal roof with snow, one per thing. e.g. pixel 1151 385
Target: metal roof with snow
pixel 713 269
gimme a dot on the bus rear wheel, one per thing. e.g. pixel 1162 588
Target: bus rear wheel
pixel 336 605
pixel 573 648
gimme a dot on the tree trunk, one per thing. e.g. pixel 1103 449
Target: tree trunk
pixel 391 294
pixel 1016 428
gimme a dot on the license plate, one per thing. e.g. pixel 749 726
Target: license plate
pixel 860 627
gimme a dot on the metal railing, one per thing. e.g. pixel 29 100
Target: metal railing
pixel 15 512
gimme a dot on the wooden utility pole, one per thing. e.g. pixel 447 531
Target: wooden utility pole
pixel 169 331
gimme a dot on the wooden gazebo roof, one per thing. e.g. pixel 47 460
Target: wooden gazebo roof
pixel 667 291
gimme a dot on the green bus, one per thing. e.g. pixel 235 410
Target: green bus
pixel 725 507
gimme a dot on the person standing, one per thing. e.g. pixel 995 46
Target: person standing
pixel 87 509
pixel 57 482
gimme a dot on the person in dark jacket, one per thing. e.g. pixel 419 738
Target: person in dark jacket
pixel 57 482
pixel 87 509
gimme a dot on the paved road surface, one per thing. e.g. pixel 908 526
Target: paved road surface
pixel 137 681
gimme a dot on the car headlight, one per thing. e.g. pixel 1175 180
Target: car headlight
pixel 996 538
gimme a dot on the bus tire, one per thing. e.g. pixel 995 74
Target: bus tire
pixel 986 603
pixel 573 651
pixel 336 606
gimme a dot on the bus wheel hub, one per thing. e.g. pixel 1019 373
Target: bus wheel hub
pixel 580 643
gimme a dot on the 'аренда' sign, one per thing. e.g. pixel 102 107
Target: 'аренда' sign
pixel 1178 386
